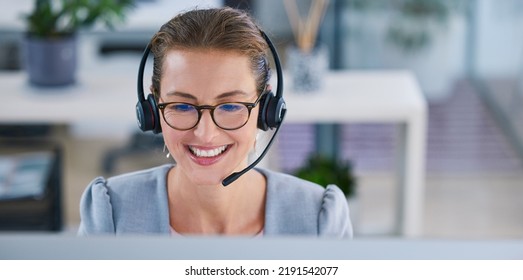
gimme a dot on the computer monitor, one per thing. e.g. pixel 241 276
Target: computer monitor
pixel 59 246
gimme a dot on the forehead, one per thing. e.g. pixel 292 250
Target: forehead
pixel 206 62
pixel 206 71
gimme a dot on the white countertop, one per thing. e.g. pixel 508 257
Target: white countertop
pixel 362 96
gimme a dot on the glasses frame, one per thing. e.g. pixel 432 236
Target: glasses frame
pixel 211 108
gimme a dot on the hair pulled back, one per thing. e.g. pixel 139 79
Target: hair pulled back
pixel 223 29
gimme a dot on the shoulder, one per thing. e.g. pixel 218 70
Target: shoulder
pixel 298 206
pixel 129 186
pixel 291 188
pixel 138 179
pixel 107 204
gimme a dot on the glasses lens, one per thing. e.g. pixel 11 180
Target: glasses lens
pixel 181 115
pixel 231 115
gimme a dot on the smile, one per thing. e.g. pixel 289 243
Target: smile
pixel 207 153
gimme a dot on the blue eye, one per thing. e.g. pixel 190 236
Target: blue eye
pixel 231 107
pixel 181 108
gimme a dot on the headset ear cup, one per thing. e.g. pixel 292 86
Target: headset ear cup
pixel 155 115
pixel 147 115
pixel 140 115
pixel 275 112
pixel 270 112
pixel 144 115
pixel 262 115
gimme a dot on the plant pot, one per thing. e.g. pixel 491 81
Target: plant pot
pixel 307 70
pixel 50 62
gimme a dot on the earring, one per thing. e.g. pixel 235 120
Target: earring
pixel 168 153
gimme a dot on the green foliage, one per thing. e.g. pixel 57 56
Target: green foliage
pixel 325 171
pixel 413 21
pixel 55 18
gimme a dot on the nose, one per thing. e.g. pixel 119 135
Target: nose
pixel 206 129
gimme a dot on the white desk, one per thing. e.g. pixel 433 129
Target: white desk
pixel 107 99
pixel 101 103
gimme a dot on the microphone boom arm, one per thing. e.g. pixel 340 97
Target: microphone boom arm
pixel 231 178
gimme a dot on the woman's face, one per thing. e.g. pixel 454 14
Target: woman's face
pixel 206 154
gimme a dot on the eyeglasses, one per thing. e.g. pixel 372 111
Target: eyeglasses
pixel 228 116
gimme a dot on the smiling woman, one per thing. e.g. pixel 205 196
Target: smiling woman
pixel 210 81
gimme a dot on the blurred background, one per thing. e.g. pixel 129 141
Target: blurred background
pixel 466 55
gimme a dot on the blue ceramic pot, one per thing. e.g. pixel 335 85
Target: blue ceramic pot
pixel 50 62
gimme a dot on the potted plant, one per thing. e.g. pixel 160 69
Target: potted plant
pixel 324 171
pixel 413 22
pixel 50 42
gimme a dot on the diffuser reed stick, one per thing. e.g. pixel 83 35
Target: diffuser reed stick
pixel 305 31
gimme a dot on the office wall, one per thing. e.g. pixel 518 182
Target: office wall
pixel 499 44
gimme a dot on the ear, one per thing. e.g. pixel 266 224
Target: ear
pixel 268 87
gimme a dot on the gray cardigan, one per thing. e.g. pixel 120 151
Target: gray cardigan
pixel 136 203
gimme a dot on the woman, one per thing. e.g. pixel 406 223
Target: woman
pixel 215 59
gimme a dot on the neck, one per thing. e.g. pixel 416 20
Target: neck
pixel 214 209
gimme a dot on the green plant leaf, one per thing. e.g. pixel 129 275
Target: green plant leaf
pixel 56 18
pixel 324 171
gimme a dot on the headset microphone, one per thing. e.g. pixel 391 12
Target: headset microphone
pixel 231 178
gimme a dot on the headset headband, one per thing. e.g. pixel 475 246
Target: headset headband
pixel 276 58
pixel 141 69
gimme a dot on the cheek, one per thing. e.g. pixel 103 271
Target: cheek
pixel 253 118
pixel 250 131
pixel 171 136
pixel 252 124
pixel 246 135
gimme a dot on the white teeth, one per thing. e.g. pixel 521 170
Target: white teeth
pixel 207 153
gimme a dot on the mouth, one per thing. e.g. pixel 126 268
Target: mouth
pixel 208 153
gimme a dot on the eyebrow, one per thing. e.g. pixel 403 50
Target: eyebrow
pixel 221 96
pixel 181 94
pixel 232 93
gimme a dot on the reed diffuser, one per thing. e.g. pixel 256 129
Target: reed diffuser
pixel 305 30
pixel 306 60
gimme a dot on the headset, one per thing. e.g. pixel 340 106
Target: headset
pixel 271 114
